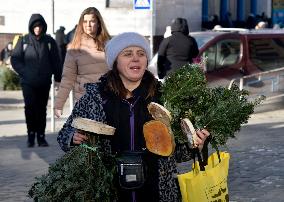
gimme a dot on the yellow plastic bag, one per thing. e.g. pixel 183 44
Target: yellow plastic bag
pixel 209 185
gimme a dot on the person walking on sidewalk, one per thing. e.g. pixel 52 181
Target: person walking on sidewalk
pixel 61 42
pixel 177 49
pixel 85 58
pixel 36 58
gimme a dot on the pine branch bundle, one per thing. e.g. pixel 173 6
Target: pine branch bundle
pixel 74 178
pixel 220 110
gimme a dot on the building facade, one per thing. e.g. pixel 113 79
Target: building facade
pixel 120 15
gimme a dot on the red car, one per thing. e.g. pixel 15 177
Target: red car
pixel 233 53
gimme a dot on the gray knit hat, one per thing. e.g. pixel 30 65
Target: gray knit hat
pixel 122 41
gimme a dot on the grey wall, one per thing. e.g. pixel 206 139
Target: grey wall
pixel 117 18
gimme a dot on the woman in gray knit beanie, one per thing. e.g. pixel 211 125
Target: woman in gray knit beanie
pixel 124 40
pixel 124 94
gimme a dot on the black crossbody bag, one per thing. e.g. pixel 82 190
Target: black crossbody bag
pixel 131 169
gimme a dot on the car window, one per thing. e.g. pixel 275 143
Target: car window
pixel 222 54
pixel 267 54
pixel 210 55
pixel 202 40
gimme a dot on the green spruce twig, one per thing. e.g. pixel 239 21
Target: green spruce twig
pixel 74 178
pixel 220 110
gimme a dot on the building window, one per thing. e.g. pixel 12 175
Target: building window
pixel 119 3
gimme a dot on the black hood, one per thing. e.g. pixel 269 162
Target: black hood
pixel 37 18
pixel 180 25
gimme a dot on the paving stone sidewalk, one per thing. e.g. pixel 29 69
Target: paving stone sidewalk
pixel 256 171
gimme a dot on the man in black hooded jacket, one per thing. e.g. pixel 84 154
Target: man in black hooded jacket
pixel 177 49
pixel 35 59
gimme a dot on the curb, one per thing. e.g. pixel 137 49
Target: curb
pixel 7 106
pixel 13 100
pixel 16 106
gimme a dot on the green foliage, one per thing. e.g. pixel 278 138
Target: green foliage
pixel 80 175
pixel 10 80
pixel 220 110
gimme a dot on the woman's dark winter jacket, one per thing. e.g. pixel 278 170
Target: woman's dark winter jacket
pixel 176 50
pixel 36 60
pixel 128 117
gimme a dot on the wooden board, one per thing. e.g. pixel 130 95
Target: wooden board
pixel 158 137
pixel 160 113
pixel 92 126
pixel 189 130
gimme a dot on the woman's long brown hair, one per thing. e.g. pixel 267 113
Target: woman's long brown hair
pixel 102 33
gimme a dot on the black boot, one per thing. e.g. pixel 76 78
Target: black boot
pixel 41 140
pixel 31 139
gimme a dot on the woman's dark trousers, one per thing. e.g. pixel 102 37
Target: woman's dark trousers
pixel 36 99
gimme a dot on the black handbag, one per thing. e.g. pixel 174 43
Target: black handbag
pixel 131 170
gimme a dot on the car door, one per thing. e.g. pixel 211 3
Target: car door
pixel 223 61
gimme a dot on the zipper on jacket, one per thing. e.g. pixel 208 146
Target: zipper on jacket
pixel 132 138
pixel 132 131
pixel 132 122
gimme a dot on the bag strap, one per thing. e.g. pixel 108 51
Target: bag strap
pixel 205 153
pixel 218 154
pixel 202 164
pixel 203 161
pixel 25 42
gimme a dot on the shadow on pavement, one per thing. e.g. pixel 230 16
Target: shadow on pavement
pixel 10 101
pixel 11 122
pixel 22 121
pixel 20 165
pixel 47 154
pixel 270 105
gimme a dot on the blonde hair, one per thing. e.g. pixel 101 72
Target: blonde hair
pixel 102 34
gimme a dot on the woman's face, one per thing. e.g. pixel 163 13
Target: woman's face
pixel 131 64
pixel 90 24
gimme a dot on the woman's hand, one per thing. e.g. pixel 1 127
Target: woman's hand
pixel 57 112
pixel 79 138
pixel 201 137
pixel 56 85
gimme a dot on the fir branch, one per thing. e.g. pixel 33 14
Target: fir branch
pixel 73 178
pixel 220 110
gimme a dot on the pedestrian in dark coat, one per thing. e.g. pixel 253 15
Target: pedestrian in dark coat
pixel 70 35
pixel 5 56
pixel 120 99
pixel 60 39
pixel 36 58
pixel 176 50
